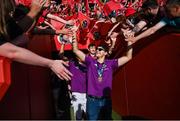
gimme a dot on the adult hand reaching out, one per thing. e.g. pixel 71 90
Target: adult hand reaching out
pixel 36 7
pixel 27 57
pixel 127 33
pixel 58 67
pixel 64 31
pixel 131 39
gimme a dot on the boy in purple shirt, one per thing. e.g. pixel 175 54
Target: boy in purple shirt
pixel 92 50
pixel 99 77
pixel 77 85
pixel 78 88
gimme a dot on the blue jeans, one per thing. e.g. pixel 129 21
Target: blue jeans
pixel 99 109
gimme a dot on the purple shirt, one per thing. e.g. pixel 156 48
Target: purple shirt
pixel 78 81
pixel 96 87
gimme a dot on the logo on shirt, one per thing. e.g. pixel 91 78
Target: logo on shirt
pixel 84 24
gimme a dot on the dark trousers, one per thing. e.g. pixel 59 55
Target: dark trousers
pixel 61 98
pixel 99 109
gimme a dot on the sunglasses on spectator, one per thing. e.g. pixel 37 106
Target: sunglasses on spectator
pixel 100 49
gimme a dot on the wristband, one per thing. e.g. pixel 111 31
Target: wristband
pixel 129 47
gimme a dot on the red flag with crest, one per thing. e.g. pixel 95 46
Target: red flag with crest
pixel 110 6
pixel 84 24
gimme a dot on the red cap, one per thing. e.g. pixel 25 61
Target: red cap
pixel 110 6
pixel 25 2
pixel 129 11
